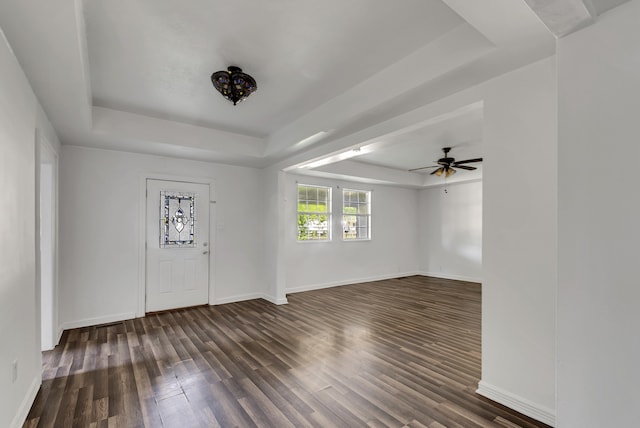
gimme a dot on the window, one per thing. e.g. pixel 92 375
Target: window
pixel 356 214
pixel 177 219
pixel 314 213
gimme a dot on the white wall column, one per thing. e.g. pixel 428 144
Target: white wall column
pixel 599 231
pixel 519 252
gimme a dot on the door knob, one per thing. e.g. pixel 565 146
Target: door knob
pixel 205 252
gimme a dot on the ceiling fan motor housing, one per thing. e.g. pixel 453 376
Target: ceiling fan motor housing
pixel 446 161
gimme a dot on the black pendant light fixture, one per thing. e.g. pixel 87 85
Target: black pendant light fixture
pixel 233 84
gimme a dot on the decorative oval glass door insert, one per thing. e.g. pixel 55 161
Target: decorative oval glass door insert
pixel 177 219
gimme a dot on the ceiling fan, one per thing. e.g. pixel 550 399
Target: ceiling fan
pixel 446 164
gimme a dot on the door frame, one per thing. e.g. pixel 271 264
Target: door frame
pixel 142 232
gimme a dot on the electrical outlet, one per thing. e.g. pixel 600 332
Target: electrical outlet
pixel 14 371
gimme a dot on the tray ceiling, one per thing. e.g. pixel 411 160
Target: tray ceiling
pixel 135 75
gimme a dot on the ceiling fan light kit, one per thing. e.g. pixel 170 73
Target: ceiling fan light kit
pixel 447 172
pixel 233 84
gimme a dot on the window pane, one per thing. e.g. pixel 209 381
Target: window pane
pixel 349 227
pixel 322 195
pixel 312 193
pixel 349 209
pixel 313 227
pixel 178 215
pixel 316 208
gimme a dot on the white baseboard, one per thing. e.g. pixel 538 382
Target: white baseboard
pixel 60 331
pixel 517 403
pixel 131 315
pixel 237 298
pixel 451 276
pixel 250 296
pixel 274 300
pixel 27 402
pixel 348 282
pixel 98 320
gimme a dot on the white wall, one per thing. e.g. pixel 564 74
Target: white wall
pixel 450 231
pixel 392 251
pixel 20 116
pixel 274 224
pixel 599 214
pixel 520 239
pixel 100 231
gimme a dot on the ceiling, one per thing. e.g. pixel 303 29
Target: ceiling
pixel 155 57
pixel 421 147
pixel 410 147
pixel 135 75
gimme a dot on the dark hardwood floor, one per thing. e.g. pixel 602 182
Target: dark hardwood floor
pixel 396 353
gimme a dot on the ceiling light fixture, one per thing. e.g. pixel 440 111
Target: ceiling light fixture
pixel 233 84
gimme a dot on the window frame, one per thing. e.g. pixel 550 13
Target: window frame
pixel 328 213
pixel 368 215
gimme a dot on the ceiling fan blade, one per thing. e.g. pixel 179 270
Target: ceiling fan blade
pixel 467 161
pixel 423 167
pixel 468 168
pixel 438 172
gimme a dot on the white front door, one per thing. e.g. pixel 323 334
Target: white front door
pixel 177 245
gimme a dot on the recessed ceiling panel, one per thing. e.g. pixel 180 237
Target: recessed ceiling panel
pixel 155 57
pixel 423 146
pixel 601 6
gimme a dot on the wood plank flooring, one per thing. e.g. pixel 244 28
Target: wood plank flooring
pixel 395 353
